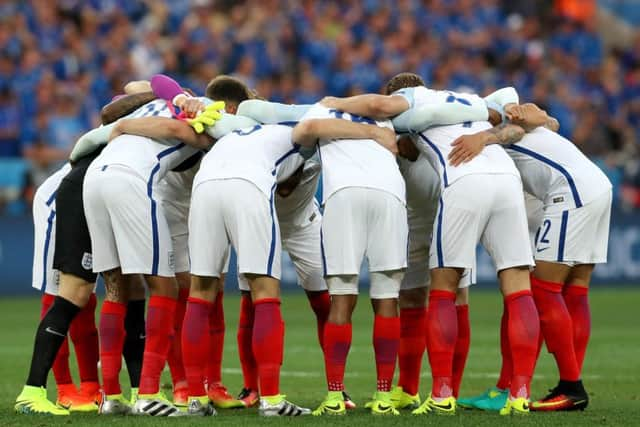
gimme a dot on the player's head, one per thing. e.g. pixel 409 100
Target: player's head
pixel 230 90
pixel 402 80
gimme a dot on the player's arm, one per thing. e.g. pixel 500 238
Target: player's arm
pixel 228 123
pixel 308 132
pixel 529 116
pixel 271 112
pixel 90 141
pixel 124 105
pixel 466 147
pixel 369 105
pixel 162 128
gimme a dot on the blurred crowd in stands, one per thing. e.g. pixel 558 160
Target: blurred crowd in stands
pixel 60 61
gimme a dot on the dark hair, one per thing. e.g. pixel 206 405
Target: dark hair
pixel 228 89
pixel 403 80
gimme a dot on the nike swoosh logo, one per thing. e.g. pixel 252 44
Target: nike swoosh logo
pixel 449 406
pixel 51 331
pixel 542 249
pixel 142 336
pixel 333 408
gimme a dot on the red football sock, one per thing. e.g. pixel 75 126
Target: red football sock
pixel 506 370
pixel 268 344
pixel 524 331
pixel 112 336
pixel 412 347
pixel 216 341
pixel 245 343
pixel 61 371
pixel 320 303
pixel 442 333
pixel 84 335
pixel 195 343
pixel 556 326
pixel 462 346
pixel 159 331
pixel 174 358
pixel 577 299
pixel 386 340
pixel 337 340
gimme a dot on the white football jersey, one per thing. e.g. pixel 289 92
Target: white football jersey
pixel 176 187
pixel 435 143
pixel 555 171
pixel 356 162
pixel 255 154
pixel 46 192
pixel 149 158
pixel 422 182
pixel 298 206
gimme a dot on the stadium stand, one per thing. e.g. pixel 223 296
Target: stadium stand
pixel 59 64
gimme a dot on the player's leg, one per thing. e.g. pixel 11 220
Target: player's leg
pixel 512 257
pixel 385 286
pixel 195 334
pixel 249 393
pixel 84 335
pixel 452 251
pixel 413 313
pixel 45 279
pixel 174 359
pixel 463 340
pixel 343 244
pixel 72 257
pixel 112 337
pixel 216 390
pixel 73 294
pixel 576 298
pixel 208 251
pixel 387 243
pixel 134 327
pixel 302 242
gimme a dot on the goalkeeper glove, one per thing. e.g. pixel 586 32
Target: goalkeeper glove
pixel 211 114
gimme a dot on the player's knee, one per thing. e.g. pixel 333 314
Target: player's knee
pixel 413 298
pixel 342 307
pixel 445 279
pixel 387 307
pixel 385 284
pixel 462 296
pixel 263 286
pixel 514 279
pixel 75 289
pixel 163 286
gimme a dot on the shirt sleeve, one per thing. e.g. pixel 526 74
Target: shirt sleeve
pixel 272 112
pixel 228 123
pixel 90 141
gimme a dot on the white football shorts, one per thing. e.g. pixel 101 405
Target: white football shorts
pixel 486 208
pixel 361 222
pixel 233 212
pixel 127 224
pixel 576 236
pixel 302 242
pixel 45 277
pixel 417 274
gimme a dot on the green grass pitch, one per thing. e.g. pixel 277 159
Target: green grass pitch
pixel 611 373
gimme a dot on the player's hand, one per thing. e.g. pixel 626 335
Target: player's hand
pixel 208 117
pixel 329 102
pixel 192 106
pixel 117 130
pixel 527 115
pixel 466 147
pixel 386 137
